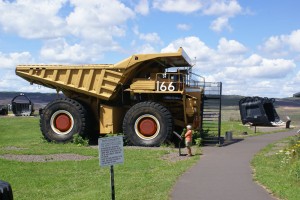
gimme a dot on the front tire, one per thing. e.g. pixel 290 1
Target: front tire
pixel 147 124
pixel 61 119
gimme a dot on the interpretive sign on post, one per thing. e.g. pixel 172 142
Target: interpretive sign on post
pixel 111 151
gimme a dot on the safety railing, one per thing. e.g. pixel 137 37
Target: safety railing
pixel 170 82
pixel 196 81
pixel 176 81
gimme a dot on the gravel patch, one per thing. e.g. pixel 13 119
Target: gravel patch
pixel 13 148
pixel 174 157
pixel 45 158
pixel 171 156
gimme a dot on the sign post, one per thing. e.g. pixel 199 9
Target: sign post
pixel 111 152
pixel 180 138
pixel 112 182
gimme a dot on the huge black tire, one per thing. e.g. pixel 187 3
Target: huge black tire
pixel 5 191
pixel 62 118
pixel 147 124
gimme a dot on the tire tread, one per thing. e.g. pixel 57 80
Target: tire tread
pixel 166 114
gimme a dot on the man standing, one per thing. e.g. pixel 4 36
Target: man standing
pixel 188 139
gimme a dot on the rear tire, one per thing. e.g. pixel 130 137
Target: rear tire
pixel 147 124
pixel 61 119
pixel 5 191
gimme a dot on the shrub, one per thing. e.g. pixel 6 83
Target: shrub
pixel 80 141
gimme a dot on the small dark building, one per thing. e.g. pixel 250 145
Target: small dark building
pixel 259 111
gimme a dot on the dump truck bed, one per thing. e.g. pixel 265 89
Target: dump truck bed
pixel 100 80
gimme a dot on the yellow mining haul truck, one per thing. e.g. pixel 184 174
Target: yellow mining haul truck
pixel 145 97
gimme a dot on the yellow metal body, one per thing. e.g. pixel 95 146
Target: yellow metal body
pixel 96 80
pixel 111 119
pixel 109 90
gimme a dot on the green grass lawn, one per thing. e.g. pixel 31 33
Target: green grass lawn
pixel 144 175
pixel 278 174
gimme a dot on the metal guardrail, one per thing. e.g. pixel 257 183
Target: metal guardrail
pixel 176 81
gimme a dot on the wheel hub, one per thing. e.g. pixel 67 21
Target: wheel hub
pixel 63 122
pixel 147 127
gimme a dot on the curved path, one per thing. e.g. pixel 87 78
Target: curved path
pixel 225 173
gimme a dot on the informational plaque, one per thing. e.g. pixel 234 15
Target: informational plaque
pixel 111 151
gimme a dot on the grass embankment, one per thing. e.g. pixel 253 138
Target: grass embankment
pixel 278 168
pixel 144 175
pixel 241 131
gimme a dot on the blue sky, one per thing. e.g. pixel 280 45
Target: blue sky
pixel 253 47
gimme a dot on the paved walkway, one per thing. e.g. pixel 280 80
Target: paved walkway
pixel 224 173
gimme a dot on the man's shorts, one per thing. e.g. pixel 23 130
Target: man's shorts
pixel 188 144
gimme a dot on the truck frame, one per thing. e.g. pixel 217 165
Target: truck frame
pixel 146 97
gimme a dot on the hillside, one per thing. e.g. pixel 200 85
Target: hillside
pixel 227 100
pixel 233 100
pixel 39 99
pixel 230 105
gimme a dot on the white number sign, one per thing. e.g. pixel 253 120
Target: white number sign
pixel 163 87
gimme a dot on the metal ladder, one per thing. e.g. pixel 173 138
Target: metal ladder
pixel 211 113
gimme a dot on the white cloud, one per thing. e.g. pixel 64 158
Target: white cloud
pixel 220 24
pixel 180 6
pixel 10 60
pixel 194 47
pixel 293 40
pixel 230 47
pixel 228 52
pixel 60 51
pixel 293 83
pixel 291 86
pixel 296 79
pixel 267 68
pixel 142 7
pixel 32 18
pixel 283 45
pixel 223 8
pixel 152 38
pixel 253 60
pixel 80 31
pixel 10 82
pixel 184 27
pixel 98 20
pixel 273 44
pixel 92 25
pixel 144 49
pixel 241 74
